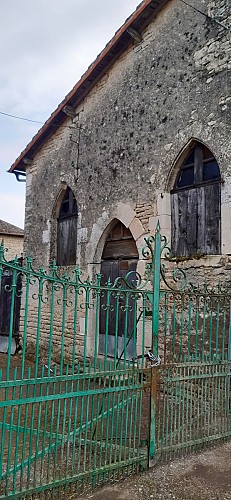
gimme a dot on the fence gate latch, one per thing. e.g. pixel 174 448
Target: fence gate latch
pixel 155 361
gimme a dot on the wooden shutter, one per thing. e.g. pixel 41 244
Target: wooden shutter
pixel 212 216
pixel 66 241
pixel 196 221
pixel 184 222
pixel 208 231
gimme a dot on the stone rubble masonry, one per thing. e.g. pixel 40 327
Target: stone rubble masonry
pixel 121 154
pixel 144 211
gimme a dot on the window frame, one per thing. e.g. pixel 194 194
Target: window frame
pixel 66 250
pixel 196 244
pixel 198 169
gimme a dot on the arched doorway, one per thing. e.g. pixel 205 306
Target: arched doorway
pixel 117 323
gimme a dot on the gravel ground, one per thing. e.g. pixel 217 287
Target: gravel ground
pixel 204 476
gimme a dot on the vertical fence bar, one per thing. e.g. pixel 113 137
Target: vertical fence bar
pixel 125 332
pixel 10 438
pixel 75 318
pixel 143 309
pixel 97 316
pixel 211 329
pixel 217 327
pixel 64 314
pixel 39 312
pixel 26 310
pixel 203 335
pixel 189 327
pixel 87 307
pixel 12 291
pixel 229 337
pixel 24 444
pixel 224 328
pixel 52 314
pixel 155 330
pixel 173 328
pixel 107 317
pixel 197 305
pixel 181 327
pixel 75 423
pixel 165 326
pixel 117 313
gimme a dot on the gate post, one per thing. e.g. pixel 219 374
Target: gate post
pixel 156 266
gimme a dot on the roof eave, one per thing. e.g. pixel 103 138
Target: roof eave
pixel 11 234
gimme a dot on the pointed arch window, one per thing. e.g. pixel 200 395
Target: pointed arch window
pixel 195 205
pixel 67 230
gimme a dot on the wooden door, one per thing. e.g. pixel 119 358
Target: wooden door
pixel 117 325
pixel 6 301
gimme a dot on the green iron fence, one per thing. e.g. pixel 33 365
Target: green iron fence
pixel 80 403
pixel 71 415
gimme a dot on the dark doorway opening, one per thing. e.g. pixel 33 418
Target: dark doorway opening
pixel 118 314
pixel 9 309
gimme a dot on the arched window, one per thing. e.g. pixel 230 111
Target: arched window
pixel 67 230
pixel 195 205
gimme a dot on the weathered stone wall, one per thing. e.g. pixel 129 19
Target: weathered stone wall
pixel 119 156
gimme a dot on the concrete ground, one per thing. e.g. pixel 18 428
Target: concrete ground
pixel 202 476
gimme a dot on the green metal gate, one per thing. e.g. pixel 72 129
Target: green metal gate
pixel 193 407
pixel 193 392
pixel 72 418
pixel 72 431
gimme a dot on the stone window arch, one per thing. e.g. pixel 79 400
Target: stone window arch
pixel 196 205
pixel 67 230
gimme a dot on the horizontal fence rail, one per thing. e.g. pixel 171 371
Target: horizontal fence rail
pixel 194 405
pixel 68 322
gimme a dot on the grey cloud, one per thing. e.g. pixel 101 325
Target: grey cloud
pixel 45 46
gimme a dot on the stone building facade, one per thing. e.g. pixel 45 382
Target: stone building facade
pixel 159 89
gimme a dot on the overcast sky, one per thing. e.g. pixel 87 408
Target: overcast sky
pixel 45 47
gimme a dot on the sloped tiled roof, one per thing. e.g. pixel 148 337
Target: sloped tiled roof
pixel 123 38
pixel 9 229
